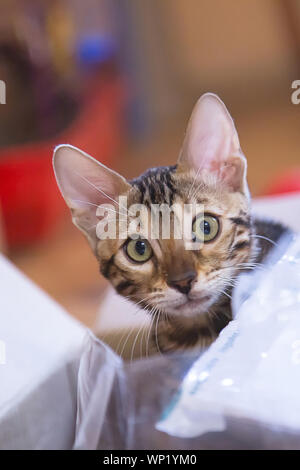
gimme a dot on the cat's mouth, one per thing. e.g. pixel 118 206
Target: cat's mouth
pixel 192 304
pixel 194 301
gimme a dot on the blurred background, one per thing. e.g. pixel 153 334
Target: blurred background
pixel 119 78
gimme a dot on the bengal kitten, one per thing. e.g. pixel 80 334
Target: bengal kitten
pixel 186 292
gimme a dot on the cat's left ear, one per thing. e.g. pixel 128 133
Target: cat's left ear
pixel 85 184
pixel 212 146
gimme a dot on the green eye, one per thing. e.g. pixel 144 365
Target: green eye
pixel 205 228
pixel 139 250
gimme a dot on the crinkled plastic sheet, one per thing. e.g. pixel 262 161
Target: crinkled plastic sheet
pixel 242 393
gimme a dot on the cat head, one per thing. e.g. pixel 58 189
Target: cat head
pixel 160 273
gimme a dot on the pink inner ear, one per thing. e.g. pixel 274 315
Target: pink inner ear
pixel 85 184
pixel 234 173
pixel 92 188
pixel 83 181
pixel 210 143
pixel 227 172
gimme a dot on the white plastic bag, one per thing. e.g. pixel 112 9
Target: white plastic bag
pixel 242 393
pixel 253 369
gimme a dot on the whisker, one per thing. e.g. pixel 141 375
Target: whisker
pixel 264 238
pixel 128 335
pixel 193 184
pixel 97 205
pixel 99 190
pixel 225 293
pixel 85 202
pixel 135 340
pixel 145 330
pixel 246 265
pixel 156 330
pixel 127 338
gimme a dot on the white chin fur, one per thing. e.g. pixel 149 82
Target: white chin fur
pixel 189 309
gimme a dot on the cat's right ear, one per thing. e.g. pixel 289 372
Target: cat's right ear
pixel 86 183
pixel 211 145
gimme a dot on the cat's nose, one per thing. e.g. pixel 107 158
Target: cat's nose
pixel 183 283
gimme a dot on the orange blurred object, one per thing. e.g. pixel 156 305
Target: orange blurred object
pixel 288 182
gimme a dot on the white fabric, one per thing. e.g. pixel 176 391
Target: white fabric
pixel 40 343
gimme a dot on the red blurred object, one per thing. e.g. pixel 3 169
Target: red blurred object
pixel 288 182
pixel 29 197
